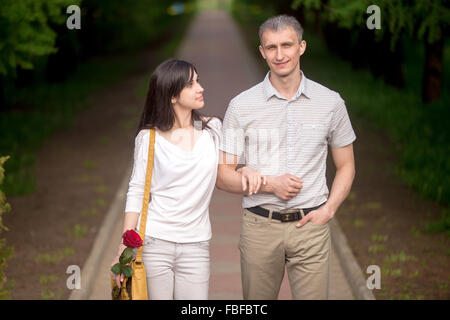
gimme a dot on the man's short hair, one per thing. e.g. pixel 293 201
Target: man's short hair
pixel 279 23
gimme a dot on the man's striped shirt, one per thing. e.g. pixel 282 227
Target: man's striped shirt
pixel 277 136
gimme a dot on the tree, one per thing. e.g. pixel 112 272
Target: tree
pixel 421 19
pixel 5 252
pixel 25 33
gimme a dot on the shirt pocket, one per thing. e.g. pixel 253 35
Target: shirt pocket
pixel 313 133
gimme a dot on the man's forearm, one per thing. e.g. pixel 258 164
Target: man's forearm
pixel 341 186
pixel 268 187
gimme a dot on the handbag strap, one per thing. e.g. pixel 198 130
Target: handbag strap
pixel 148 180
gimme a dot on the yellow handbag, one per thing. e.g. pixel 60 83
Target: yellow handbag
pixel 136 287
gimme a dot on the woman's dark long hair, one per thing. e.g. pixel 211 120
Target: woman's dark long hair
pixel 166 82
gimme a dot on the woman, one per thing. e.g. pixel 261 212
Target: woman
pixel 178 229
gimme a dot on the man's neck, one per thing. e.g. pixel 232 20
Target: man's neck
pixel 287 86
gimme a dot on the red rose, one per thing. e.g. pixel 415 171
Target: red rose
pixel 132 239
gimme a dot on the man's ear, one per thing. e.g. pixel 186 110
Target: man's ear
pixel 262 52
pixel 302 47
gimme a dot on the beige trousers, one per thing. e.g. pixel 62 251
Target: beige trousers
pixel 267 246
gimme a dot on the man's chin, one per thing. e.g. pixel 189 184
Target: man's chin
pixel 282 73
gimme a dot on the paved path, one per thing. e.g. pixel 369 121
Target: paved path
pixel 226 67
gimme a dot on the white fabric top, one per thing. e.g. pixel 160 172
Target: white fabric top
pixel 181 188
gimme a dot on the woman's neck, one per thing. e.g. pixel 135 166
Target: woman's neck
pixel 183 119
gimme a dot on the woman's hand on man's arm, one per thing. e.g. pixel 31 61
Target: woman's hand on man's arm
pixel 243 180
pixel 251 180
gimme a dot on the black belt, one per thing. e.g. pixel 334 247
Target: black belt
pixel 292 215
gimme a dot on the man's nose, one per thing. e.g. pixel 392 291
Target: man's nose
pixel 279 54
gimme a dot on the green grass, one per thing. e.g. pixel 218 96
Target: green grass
pixel 358 223
pixel 47 294
pixel 91 212
pixel 371 206
pixel 77 231
pixel 46 279
pixel 375 248
pixel 101 189
pixel 54 257
pixel 440 225
pixel 379 237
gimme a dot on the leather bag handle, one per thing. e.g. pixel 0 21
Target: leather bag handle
pixel 148 181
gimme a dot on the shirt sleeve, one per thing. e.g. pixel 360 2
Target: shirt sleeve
pixel 135 194
pixel 216 125
pixel 233 139
pixel 341 132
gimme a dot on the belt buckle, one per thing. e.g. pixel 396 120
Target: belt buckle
pixel 290 216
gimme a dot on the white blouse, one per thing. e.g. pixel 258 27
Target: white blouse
pixel 181 187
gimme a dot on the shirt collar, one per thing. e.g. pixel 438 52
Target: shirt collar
pixel 270 91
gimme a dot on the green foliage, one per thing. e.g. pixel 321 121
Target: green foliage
pixel 23 131
pixel 116 268
pixel 415 18
pixel 433 15
pixel 119 25
pixel 127 271
pixel 25 32
pixel 5 252
pixel 441 225
pixel 419 133
pixel 254 11
pixel 123 265
pixel 31 113
pixel 126 256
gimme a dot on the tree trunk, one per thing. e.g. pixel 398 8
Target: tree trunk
pixel 432 74
pixel 2 95
pixel 386 63
pixel 316 21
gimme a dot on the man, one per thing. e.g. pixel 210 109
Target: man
pixel 282 128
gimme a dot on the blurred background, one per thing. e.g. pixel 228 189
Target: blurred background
pixel 394 80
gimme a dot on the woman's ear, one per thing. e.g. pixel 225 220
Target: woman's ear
pixel 173 100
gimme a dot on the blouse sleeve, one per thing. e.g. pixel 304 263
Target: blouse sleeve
pixel 135 194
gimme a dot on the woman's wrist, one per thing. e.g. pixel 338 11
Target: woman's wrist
pixel 121 248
